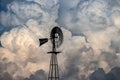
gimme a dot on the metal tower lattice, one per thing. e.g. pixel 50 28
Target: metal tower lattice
pixel 53 70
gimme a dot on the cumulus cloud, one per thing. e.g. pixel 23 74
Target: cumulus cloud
pixel 91 30
pixel 21 45
pixel 19 12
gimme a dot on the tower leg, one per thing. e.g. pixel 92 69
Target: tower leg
pixel 53 71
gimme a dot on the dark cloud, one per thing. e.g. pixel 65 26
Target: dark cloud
pixel 39 75
pixel 100 74
pixel 115 72
pixel 6 76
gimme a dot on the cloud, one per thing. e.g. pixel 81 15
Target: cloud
pixel 100 74
pixel 86 15
pixel 3 4
pixel 19 12
pixel 19 45
pixel 91 36
pixel 39 75
pixel 6 76
pixel 27 22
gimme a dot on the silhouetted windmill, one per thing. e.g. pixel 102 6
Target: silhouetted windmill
pixel 56 37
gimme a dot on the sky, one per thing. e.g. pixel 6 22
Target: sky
pixel 91 46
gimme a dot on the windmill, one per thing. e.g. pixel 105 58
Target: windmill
pixel 56 37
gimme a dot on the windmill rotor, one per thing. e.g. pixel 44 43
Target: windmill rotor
pixel 56 37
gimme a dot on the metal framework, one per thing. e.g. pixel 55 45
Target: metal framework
pixel 53 69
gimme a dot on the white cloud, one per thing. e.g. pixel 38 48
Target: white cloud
pixel 20 12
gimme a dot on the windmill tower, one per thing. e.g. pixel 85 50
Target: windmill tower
pixel 56 37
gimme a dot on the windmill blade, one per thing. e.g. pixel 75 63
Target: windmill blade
pixel 43 41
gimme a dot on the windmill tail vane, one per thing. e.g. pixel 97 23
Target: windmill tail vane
pixel 43 41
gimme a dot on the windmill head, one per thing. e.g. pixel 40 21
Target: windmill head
pixel 56 37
